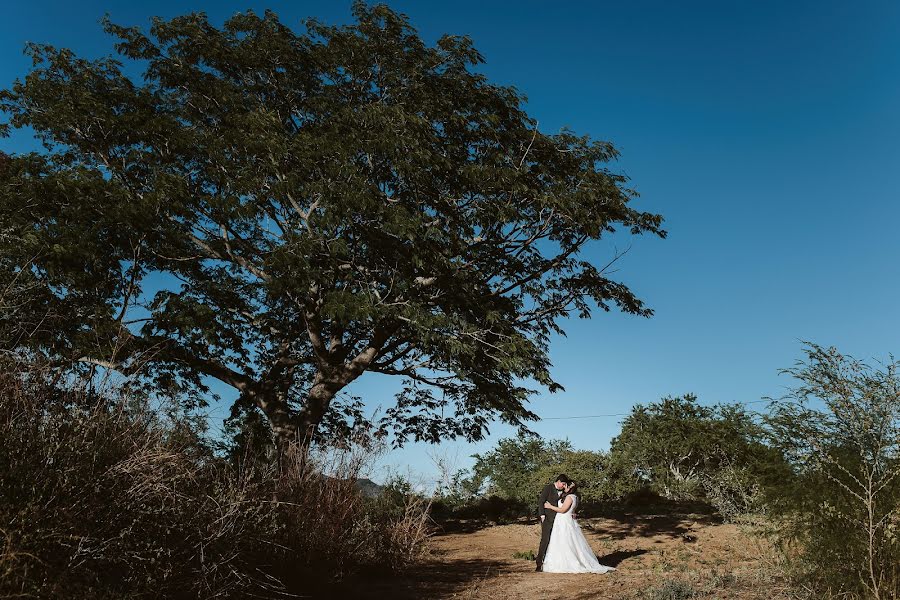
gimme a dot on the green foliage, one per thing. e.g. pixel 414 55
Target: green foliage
pixel 491 508
pixel 734 490
pixel 317 204
pixel 395 493
pixel 526 555
pixel 590 469
pixel 248 439
pixel 838 508
pixel 675 446
pixel 518 468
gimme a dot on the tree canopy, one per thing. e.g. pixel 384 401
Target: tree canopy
pixel 669 445
pixel 286 209
pixel 517 468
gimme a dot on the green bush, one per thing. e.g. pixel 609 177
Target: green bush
pixel 677 447
pixel 836 511
pixel 518 468
pixel 734 491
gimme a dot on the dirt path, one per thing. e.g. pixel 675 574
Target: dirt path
pixel 659 557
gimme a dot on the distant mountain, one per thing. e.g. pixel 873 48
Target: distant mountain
pixel 368 488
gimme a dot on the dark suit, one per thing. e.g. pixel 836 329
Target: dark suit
pixel 548 494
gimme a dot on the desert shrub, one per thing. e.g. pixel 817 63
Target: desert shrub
pixel 491 508
pixel 837 511
pixel 101 497
pixel 670 589
pixel 392 497
pixel 734 491
pixel 401 519
pixel 329 530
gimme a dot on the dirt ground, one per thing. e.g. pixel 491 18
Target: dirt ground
pixel 657 557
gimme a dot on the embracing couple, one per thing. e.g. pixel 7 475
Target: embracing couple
pixel 563 547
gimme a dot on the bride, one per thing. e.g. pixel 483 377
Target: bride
pixel 568 550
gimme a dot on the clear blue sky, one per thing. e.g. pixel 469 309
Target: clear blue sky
pixel 767 133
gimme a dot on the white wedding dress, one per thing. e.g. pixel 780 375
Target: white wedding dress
pixel 568 550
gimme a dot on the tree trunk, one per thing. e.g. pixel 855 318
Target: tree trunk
pixel 283 424
pixel 300 428
pixel 317 403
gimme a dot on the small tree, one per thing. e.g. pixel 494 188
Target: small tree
pixel 518 468
pixel 316 205
pixel 839 429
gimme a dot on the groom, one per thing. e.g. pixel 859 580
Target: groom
pixel 550 493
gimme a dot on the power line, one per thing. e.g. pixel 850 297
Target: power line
pixel 585 417
pixel 620 414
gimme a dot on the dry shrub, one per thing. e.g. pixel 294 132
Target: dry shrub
pixel 329 526
pixel 401 519
pixel 98 498
pixel 101 497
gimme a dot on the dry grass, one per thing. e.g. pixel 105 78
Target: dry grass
pixel 101 497
pixel 657 557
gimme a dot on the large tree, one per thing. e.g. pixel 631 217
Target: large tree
pixel 284 210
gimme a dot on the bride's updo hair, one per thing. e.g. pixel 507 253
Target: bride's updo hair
pixel 573 489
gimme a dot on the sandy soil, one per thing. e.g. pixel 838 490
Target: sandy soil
pixel 658 557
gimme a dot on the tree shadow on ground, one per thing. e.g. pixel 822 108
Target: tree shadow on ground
pixel 454 526
pixel 431 579
pixel 646 503
pixel 587 595
pixel 615 559
pixel 642 525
